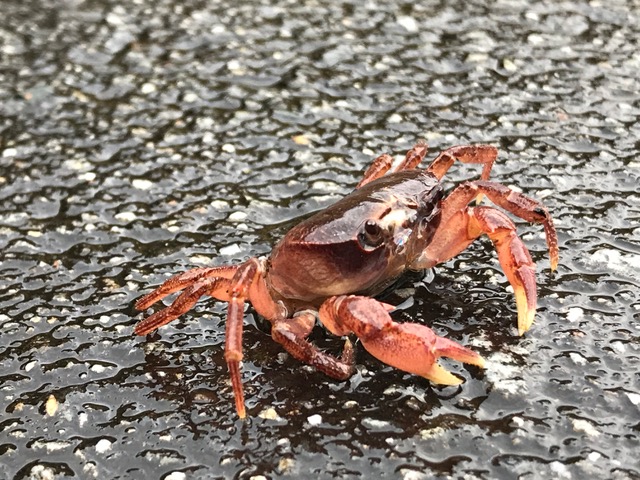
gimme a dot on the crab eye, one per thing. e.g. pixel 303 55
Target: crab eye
pixel 371 235
pixel 429 224
pixel 424 224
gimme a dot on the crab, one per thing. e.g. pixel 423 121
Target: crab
pixel 330 266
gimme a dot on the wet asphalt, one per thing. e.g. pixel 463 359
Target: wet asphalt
pixel 140 139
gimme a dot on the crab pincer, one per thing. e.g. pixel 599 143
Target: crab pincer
pixel 410 347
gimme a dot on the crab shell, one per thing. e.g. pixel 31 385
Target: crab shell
pixel 361 243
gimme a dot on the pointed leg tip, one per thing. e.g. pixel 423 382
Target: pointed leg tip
pixel 233 363
pixel 153 322
pixel 146 301
pixel 240 407
pixel 142 330
pixel 387 306
pixel 348 355
pixel 140 304
pixel 348 346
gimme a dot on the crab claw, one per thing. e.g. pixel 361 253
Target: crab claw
pixel 410 347
pixel 415 349
pixel 523 280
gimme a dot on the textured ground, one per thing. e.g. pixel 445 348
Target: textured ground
pixel 138 139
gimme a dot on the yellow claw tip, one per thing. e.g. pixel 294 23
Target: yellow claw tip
pixel 526 311
pixel 479 363
pixel 438 374
pixel 525 320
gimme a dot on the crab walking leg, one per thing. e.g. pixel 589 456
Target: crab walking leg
pixel 183 280
pixel 216 287
pixel 410 347
pixel 524 207
pixel 377 169
pixel 247 274
pixel 384 162
pixel 413 157
pixel 292 334
pixel 482 154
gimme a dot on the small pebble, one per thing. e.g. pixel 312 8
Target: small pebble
pixel 98 368
pixel 300 140
pixel 148 88
pixel 40 472
pixel 227 147
pixel 585 426
pixel 176 476
pixel 237 216
pixel 408 23
pixel 142 184
pixel 9 152
pixel 230 250
pixel 103 445
pixel 594 457
pixel 575 314
pixel 125 216
pixel 51 407
pixel 269 414
pixel 314 420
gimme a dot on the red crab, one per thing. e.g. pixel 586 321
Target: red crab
pixel 330 266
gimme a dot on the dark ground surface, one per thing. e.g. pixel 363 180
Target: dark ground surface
pixel 138 139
